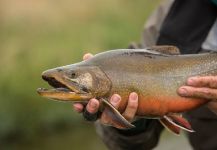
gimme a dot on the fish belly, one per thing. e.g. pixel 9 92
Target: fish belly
pixel 163 105
pixel 158 106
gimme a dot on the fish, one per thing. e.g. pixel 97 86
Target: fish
pixel 155 73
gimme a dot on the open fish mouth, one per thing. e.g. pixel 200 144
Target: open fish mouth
pixel 57 85
pixel 64 90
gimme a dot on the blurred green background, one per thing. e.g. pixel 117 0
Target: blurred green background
pixel 36 35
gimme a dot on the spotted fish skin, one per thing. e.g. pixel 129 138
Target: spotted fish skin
pixel 154 75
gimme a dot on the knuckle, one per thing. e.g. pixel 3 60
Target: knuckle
pixel 191 91
pixel 91 109
pixel 213 82
pixel 128 116
pixel 213 94
pixel 132 106
pixel 207 93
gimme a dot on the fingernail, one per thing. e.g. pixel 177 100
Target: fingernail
pixel 133 96
pixel 182 91
pixel 93 104
pixel 115 99
pixel 87 56
pixel 77 108
pixel 191 81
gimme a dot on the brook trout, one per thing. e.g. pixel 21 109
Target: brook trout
pixel 154 73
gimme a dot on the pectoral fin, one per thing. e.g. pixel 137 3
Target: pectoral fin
pixel 179 121
pixel 118 120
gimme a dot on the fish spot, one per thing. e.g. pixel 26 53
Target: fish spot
pixel 143 53
pixel 73 75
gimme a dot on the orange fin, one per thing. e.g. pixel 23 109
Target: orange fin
pixel 179 121
pixel 118 120
pixel 174 129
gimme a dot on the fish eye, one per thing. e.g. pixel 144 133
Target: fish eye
pixel 73 75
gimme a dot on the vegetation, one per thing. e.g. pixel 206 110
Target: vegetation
pixel 37 35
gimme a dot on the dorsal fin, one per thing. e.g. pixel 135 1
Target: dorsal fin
pixel 165 49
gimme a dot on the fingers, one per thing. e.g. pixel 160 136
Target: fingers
pixel 202 92
pixel 129 112
pixel 132 106
pixel 92 106
pixel 87 56
pixel 91 111
pixel 78 107
pixel 115 101
pixel 200 87
pixel 203 81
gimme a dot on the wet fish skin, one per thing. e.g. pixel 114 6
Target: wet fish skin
pixel 153 75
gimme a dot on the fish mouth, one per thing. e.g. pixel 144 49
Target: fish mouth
pixel 64 90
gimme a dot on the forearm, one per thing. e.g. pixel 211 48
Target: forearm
pixel 144 137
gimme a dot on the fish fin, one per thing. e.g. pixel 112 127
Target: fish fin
pixel 118 120
pixel 172 128
pixel 165 49
pixel 179 122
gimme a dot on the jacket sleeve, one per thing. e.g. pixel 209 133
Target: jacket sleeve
pixel 144 137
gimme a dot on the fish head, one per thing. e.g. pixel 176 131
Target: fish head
pixel 75 83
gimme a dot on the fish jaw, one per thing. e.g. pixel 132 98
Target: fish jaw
pixel 63 88
pixel 64 95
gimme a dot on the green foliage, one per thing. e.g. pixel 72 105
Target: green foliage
pixel 33 41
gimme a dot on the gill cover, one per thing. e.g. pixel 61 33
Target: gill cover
pixel 91 79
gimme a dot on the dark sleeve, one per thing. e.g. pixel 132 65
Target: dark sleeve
pixel 144 137
pixel 187 24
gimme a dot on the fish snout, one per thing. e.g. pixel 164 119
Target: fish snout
pixel 44 77
pixel 48 74
pixel 53 78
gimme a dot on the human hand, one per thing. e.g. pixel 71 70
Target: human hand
pixel 91 110
pixel 201 87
